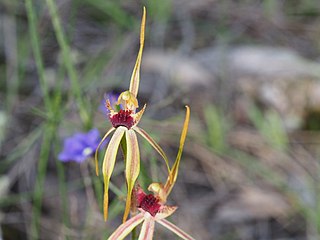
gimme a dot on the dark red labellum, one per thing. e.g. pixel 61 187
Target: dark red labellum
pixel 122 118
pixel 150 204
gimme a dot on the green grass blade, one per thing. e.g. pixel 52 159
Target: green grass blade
pixel 66 55
pixel 37 51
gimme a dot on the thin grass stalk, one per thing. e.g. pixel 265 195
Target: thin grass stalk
pixel 63 196
pixel 37 51
pixel 22 148
pixel 66 54
pixel 98 190
pixel 11 55
pixel 48 136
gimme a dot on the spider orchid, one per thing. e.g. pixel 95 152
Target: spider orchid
pixel 124 123
pixel 152 207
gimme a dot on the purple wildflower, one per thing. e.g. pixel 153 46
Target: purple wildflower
pixel 80 146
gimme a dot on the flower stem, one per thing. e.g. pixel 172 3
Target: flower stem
pixel 41 173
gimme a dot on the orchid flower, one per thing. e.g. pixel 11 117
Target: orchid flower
pixel 124 123
pixel 152 207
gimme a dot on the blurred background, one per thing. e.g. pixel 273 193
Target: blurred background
pixel 250 71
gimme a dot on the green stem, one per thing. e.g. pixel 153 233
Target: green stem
pixel 37 51
pixel 63 195
pixel 66 54
pixel 41 173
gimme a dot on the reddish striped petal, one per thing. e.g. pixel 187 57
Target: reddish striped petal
pixel 124 229
pixel 132 166
pixel 147 229
pixel 173 228
pixel 108 164
pixel 135 78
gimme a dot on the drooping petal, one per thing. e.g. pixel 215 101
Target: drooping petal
pixel 173 228
pixel 153 144
pixel 96 154
pixel 175 168
pixel 124 229
pixel 135 78
pixel 132 166
pixel 147 229
pixel 108 164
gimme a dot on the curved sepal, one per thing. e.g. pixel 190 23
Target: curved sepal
pixel 132 166
pixel 154 144
pixel 173 228
pixel 96 153
pixel 175 168
pixel 108 165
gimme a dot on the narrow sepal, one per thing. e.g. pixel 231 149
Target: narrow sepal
pixel 108 165
pixel 147 228
pixel 135 78
pixel 139 114
pixel 175 168
pixel 124 229
pixel 165 211
pixel 108 106
pixel 173 228
pixel 153 144
pixel 132 167
pixel 96 153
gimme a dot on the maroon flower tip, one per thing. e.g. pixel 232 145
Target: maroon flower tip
pixel 122 118
pixel 150 204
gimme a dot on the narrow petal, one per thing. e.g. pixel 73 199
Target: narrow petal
pixel 96 154
pixel 173 228
pixel 139 114
pixel 108 164
pixel 153 144
pixel 165 211
pixel 135 78
pixel 175 168
pixel 132 166
pixel 124 229
pixel 147 229
pixel 108 106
